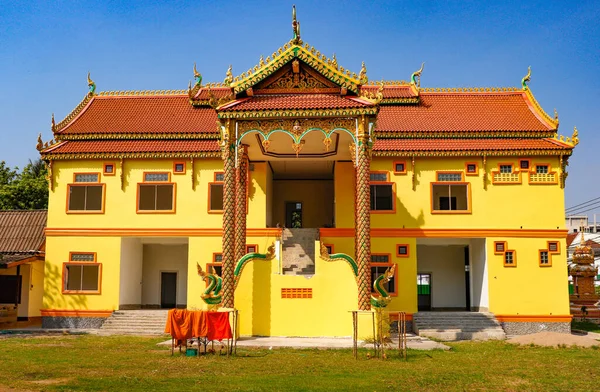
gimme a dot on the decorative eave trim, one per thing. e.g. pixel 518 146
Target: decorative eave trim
pixel 74 113
pixel 469 89
pixel 129 155
pixel 463 134
pixel 138 136
pixel 137 93
pixel 552 123
pixel 476 153
pixel 400 101
pixel 306 53
pixel 299 113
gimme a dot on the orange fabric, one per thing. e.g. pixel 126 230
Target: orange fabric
pixel 186 324
pixel 218 326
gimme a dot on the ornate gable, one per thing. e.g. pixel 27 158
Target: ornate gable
pixel 296 77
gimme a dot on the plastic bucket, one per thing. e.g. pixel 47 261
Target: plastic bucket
pixel 191 352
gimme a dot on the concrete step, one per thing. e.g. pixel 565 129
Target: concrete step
pixel 135 322
pixel 448 326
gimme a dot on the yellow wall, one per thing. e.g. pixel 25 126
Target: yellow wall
pixel 316 197
pixel 527 289
pixel 108 253
pixel 120 205
pixel 344 194
pixel 499 207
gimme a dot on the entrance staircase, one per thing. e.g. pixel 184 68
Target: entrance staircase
pixel 299 251
pixel 448 326
pixel 135 322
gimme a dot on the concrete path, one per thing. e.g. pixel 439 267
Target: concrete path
pixel 414 342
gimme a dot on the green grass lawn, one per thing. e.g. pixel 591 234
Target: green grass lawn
pixel 92 363
pixel 585 326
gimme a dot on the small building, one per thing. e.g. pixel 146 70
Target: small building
pixel 22 251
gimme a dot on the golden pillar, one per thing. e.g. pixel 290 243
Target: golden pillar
pixel 241 195
pixel 228 142
pixel 362 216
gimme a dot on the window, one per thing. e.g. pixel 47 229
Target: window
pixel 156 177
pixel 215 193
pixel 471 168
pixel 450 197
pixel 382 192
pixel 509 258
pixel 381 197
pixel 553 247
pixel 450 177
pixel 524 164
pixel 82 275
pixel 544 258
pixel 251 248
pixel 506 169
pixel 86 194
pixel 399 167
pixel 402 250
pixel 156 194
pixel 541 169
pixel 179 167
pixel 379 265
pixel 379 177
pixel 109 169
pixel 499 247
pixel 216 266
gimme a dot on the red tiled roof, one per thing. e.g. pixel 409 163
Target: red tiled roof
pixel 22 230
pixel 142 114
pixel 126 146
pixel 570 238
pixel 442 144
pixel 217 92
pixel 462 112
pixel 400 91
pixel 296 101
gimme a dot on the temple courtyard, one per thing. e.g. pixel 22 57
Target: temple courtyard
pixel 109 363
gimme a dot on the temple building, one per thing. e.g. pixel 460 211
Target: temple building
pixel 298 183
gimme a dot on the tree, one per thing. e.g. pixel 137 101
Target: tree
pixel 27 190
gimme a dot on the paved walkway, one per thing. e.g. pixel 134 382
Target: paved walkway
pixel 413 342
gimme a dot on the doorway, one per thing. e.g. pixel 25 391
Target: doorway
pixel 293 215
pixel 424 292
pixel 168 290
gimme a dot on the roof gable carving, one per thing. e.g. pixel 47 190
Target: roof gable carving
pixel 296 77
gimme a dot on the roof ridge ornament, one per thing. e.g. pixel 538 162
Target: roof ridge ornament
pixel 91 85
pixel 53 127
pixel 415 78
pixel 526 79
pixel 197 76
pixel 228 76
pixel 362 76
pixel 575 137
pixel 295 27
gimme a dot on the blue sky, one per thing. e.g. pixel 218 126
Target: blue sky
pixel 47 48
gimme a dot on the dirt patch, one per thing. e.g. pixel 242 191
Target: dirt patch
pixel 51 381
pixel 554 339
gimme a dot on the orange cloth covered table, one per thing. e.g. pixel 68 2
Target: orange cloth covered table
pixel 187 324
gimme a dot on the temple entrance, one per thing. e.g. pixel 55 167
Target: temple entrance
pixel 168 290
pixel 293 215
pixel 153 273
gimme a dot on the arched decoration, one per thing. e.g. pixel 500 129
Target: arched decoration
pixel 296 129
pixel 244 260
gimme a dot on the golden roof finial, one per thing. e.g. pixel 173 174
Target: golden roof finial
pixel 261 61
pixel 53 123
pixel 190 89
pixel 91 84
pixel 582 230
pixel 555 115
pixel 40 143
pixel 575 137
pixel 334 62
pixel 417 75
pixel 228 76
pixel 526 79
pixel 197 76
pixel 362 76
pixel 295 27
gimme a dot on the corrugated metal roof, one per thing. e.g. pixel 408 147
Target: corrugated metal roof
pixel 22 230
